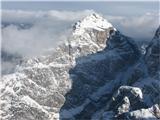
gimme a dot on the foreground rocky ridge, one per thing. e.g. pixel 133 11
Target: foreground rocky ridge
pixel 142 100
pixel 97 74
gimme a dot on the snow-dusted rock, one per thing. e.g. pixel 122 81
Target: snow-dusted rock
pixel 93 21
pixel 78 79
pixel 130 91
pixel 41 83
pixel 152 56
pixel 152 113
pixel 144 76
pixel 125 106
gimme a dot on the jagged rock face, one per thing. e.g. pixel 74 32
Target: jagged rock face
pixel 91 72
pixel 152 113
pixel 125 106
pixel 128 103
pixel 130 96
pixel 126 99
pixel 153 55
pixel 122 44
pixel 89 36
pixel 144 75
pixel 157 34
pixel 39 85
pixel 79 78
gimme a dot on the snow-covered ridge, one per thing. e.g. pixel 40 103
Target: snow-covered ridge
pixel 93 21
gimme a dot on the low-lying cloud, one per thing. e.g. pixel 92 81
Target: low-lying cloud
pixel 138 27
pixel 46 28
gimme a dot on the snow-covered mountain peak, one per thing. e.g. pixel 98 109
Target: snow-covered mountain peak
pixel 92 32
pixel 93 21
pixel 97 69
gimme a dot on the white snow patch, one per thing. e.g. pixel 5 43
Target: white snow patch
pixel 94 21
pixel 144 114
pixel 135 90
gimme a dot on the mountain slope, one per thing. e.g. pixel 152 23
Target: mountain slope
pixel 125 104
pixel 39 84
pixel 79 78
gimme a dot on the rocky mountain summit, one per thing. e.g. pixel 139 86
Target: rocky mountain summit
pixel 98 73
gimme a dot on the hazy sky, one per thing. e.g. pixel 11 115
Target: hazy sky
pixel 112 8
